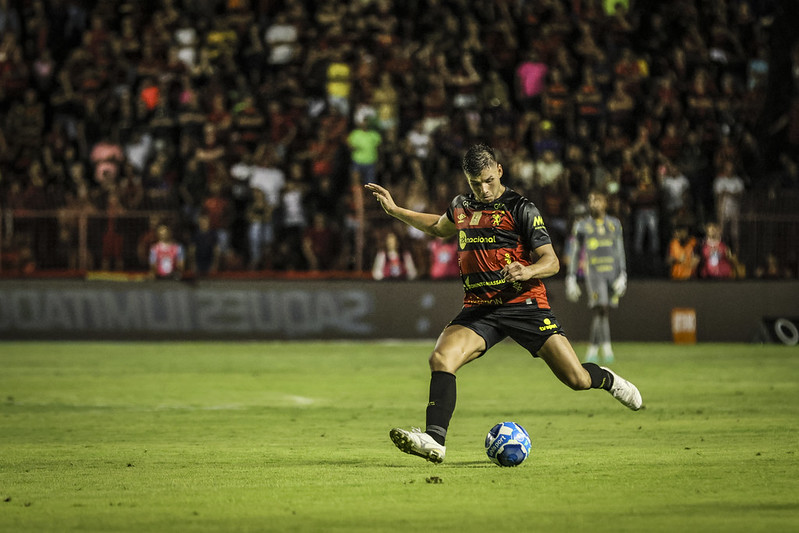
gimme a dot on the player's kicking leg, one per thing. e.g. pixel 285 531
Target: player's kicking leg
pixel 558 353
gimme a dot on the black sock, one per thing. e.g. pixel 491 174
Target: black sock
pixel 600 378
pixel 441 405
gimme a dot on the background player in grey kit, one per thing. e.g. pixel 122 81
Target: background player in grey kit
pixel 597 238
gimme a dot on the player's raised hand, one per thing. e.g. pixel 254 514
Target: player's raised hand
pixel 383 196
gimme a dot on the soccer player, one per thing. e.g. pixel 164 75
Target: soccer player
pixel 599 237
pixel 504 250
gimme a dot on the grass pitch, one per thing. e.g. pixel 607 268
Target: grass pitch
pixel 294 437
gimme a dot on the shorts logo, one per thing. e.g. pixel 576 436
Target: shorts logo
pixel 548 324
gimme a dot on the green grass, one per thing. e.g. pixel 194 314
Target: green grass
pixel 294 437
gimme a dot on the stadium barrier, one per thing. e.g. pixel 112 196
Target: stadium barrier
pixel 355 309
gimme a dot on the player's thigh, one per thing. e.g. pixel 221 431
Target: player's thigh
pixel 559 355
pixel 456 346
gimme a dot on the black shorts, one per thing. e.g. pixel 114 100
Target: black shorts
pixel 528 325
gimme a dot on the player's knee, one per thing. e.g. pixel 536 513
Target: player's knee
pixel 440 361
pixel 437 361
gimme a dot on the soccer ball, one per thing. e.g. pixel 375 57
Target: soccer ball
pixel 507 444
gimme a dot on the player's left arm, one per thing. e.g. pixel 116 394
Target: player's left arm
pixel 620 283
pixel 618 248
pixel 534 235
pixel 545 265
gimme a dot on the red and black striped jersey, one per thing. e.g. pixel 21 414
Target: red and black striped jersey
pixel 491 236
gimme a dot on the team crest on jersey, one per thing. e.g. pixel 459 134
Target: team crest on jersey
pixel 496 219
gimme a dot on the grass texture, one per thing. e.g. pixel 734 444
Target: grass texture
pixel 294 437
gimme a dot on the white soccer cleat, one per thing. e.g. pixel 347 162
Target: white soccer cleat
pixel 417 442
pixel 625 392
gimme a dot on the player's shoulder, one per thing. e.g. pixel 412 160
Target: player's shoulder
pixel 582 223
pixel 612 221
pixel 461 200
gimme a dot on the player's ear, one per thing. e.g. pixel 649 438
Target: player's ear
pixel 500 171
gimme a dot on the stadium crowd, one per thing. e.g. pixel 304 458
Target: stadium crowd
pixel 249 127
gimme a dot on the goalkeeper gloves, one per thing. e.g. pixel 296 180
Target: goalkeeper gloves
pixel 572 289
pixel 620 285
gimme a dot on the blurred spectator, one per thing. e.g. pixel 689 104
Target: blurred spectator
pixel 549 171
pixel 9 19
pixel 443 259
pixel 645 202
pixel 139 150
pixel 531 81
pixel 772 269
pixel 204 248
pixel 218 208
pixel 393 262
pixel 590 103
pixel 111 257
pixel 682 257
pixel 261 228
pixel 293 218
pixel 281 37
pixel 675 190
pixel 385 100
pixel 339 83
pixel 107 157
pixel 321 244
pixel 557 101
pixel 364 143
pixel 166 256
pixel 728 189
pixel 716 259
pixel 267 176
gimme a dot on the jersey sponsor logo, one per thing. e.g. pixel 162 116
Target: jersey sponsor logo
pixel 468 285
pixel 476 218
pixel 538 222
pixel 461 218
pixel 463 240
pixel 548 324
pixel 473 300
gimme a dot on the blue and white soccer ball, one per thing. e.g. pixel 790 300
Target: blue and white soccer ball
pixel 508 444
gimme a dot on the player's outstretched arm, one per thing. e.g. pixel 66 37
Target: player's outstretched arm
pixel 435 225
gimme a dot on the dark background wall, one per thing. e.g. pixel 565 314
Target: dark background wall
pixel 725 311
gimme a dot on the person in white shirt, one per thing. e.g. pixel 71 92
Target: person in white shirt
pixel 728 189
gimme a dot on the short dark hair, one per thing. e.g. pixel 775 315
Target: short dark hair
pixel 477 158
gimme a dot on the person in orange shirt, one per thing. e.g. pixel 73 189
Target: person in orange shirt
pixel 682 258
